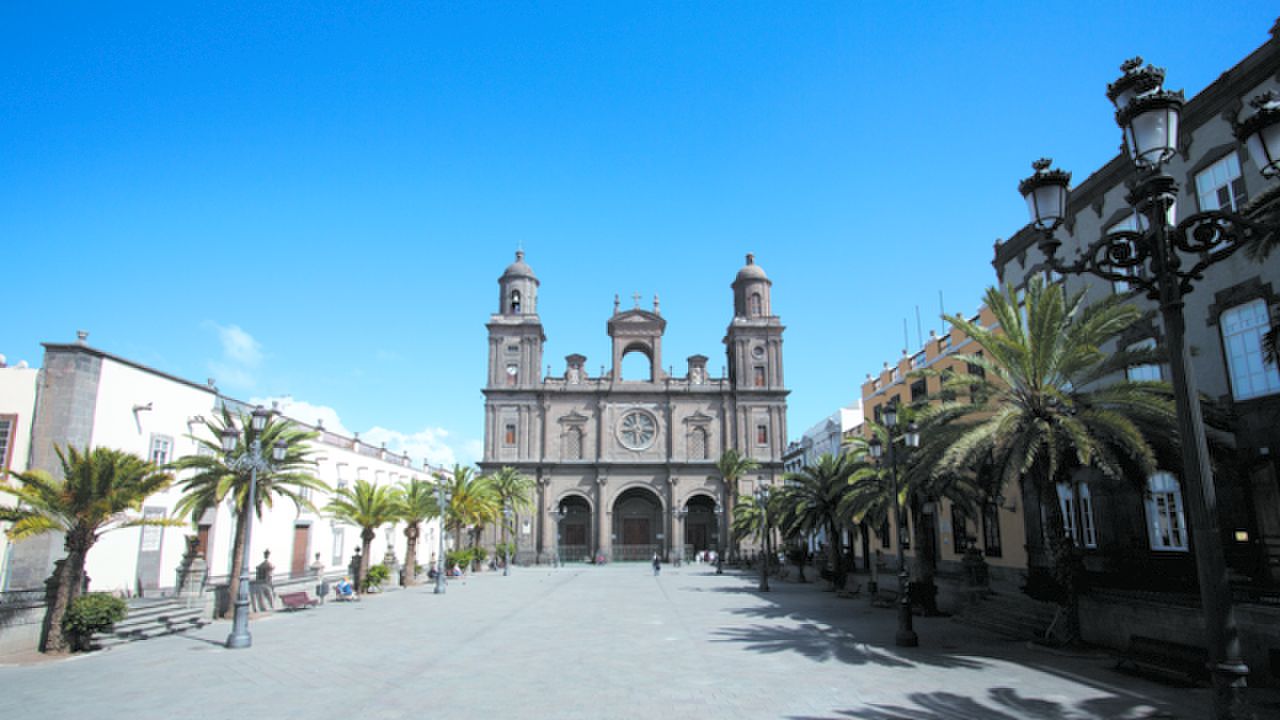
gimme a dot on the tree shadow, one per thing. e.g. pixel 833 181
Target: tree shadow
pixel 1004 704
pixel 824 643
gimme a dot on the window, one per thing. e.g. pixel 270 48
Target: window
pixel 339 470
pixel 944 342
pixel 959 529
pixel 897 375
pixel 698 444
pixel 1143 372
pixel 161 449
pixel 1165 521
pixel 762 434
pixel 758 375
pixel 1242 329
pixel 1082 533
pixel 338 546
pixel 991 530
pixel 917 360
pixel 1220 187
pixel 918 389
pixel 7 426
pixel 573 444
pixel 515 302
pixel 1130 223
pixel 757 305
pixel 509 436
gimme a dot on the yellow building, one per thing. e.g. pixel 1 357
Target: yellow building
pixel 999 532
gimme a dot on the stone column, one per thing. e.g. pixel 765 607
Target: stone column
pixel 604 520
pixel 191 574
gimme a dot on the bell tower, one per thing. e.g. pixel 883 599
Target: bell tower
pixel 515 331
pixel 754 339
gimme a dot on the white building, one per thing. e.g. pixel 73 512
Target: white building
pixel 823 438
pixel 90 398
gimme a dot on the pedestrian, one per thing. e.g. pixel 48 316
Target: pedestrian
pixel 657 565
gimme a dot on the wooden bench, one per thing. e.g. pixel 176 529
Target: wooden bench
pixel 1187 663
pixel 297 600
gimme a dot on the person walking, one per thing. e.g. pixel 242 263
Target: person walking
pixel 657 564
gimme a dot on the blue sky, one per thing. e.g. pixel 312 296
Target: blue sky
pixel 316 200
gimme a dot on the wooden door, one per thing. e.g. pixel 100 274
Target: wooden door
pixel 635 531
pixel 301 544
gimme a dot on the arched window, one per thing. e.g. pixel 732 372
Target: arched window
pixel 698 444
pixel 756 305
pixel 515 301
pixel 573 444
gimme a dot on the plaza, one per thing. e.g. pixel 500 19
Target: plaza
pixel 595 642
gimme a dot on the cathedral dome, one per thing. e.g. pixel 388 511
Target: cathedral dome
pixel 751 271
pixel 519 268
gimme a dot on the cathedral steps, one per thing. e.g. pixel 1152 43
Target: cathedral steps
pixel 151 618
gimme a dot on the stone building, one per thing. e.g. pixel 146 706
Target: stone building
pixel 625 467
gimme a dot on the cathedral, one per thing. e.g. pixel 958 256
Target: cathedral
pixel 625 468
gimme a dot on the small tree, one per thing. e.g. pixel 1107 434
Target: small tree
pixel 214 478
pixel 99 491
pixel 417 502
pixel 732 465
pixel 514 491
pixel 368 507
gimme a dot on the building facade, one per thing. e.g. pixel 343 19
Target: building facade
pixel 995 529
pixel 625 467
pixel 1128 534
pixel 86 397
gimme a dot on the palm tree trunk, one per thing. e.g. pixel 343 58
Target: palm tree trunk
pixel 1062 556
pixel 366 542
pixel 411 555
pixel 237 564
pixel 926 564
pixel 835 545
pixel 67 578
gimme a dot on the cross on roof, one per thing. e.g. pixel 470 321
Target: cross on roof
pixel 637 299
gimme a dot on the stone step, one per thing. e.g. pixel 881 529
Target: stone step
pixel 150 620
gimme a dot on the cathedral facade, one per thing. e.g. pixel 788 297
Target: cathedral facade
pixel 626 468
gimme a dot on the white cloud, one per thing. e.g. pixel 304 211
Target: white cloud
pixel 241 357
pixel 239 346
pixel 432 444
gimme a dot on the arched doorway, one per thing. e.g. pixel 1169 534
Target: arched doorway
pixel 701 525
pixel 575 541
pixel 637 525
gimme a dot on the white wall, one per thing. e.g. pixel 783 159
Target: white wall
pixel 17 399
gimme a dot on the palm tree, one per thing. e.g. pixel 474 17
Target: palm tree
pixel 99 489
pixel 417 501
pixel 1038 425
pixel 513 490
pixel 216 477
pixel 732 465
pixel 369 507
pixel 472 502
pixel 810 501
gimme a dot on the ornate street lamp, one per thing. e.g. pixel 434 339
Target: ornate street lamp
pixel 1164 257
pixel 253 461
pixel 906 635
pixel 443 498
pixel 762 501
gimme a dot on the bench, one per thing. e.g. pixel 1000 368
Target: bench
pixel 297 600
pixel 1187 663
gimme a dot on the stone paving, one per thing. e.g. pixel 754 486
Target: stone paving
pixel 592 642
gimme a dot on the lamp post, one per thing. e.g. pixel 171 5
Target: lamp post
pixel 906 635
pixel 719 551
pixel 506 555
pixel 677 532
pixel 558 516
pixel 762 501
pixel 253 462
pixel 1163 257
pixel 443 498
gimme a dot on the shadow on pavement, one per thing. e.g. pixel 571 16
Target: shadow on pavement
pixel 1005 704
pixel 825 643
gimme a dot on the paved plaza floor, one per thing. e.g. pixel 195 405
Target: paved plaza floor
pixel 592 642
